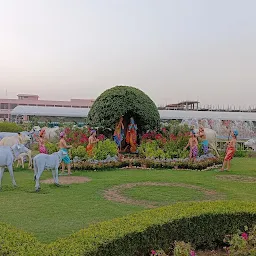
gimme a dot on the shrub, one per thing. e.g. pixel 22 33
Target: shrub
pixel 243 243
pixel 105 148
pixel 51 147
pixel 80 151
pixel 127 101
pixel 203 224
pixel 17 242
pixel 77 137
pixel 10 127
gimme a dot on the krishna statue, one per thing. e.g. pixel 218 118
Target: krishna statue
pixel 131 135
pixel 119 133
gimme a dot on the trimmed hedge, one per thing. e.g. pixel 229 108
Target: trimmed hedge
pixel 18 242
pixel 124 101
pixel 10 127
pixel 204 224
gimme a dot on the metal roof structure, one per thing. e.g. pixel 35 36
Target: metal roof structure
pixel 50 111
pixel 214 115
pixel 164 114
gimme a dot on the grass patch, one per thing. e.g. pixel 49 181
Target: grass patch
pixel 163 195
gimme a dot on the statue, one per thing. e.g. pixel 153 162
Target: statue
pixel 119 133
pixel 131 135
pixel 92 142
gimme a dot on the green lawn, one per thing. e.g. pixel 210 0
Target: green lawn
pixel 57 212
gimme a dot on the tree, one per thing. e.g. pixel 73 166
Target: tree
pixel 124 101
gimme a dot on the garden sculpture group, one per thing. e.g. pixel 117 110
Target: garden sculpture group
pixel 130 138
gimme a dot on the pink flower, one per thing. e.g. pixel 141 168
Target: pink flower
pixel 153 252
pixel 192 253
pixel 244 236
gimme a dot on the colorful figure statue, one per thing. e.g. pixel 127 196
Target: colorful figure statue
pixel 193 145
pixel 119 133
pixel 92 142
pixel 230 152
pixel 64 148
pixel 41 142
pixel 131 136
pixel 204 141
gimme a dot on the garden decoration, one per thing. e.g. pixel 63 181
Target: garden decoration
pixel 43 162
pixel 7 157
pixel 131 136
pixel 124 101
pixel 119 133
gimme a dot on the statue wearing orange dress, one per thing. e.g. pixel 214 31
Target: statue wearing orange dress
pixel 92 142
pixel 131 136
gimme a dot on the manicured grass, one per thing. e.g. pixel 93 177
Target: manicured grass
pixel 164 195
pixel 57 212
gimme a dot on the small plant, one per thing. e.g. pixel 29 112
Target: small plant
pixel 80 151
pixel 183 249
pixel 105 148
pixel 158 253
pixel 51 147
pixel 243 243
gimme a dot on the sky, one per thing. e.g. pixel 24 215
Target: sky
pixel 173 50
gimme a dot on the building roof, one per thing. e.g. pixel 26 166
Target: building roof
pixel 29 95
pixel 50 111
pixel 164 114
pixel 214 115
pixel 183 103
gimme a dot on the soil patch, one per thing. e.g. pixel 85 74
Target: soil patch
pixel 68 180
pixel 240 178
pixel 115 193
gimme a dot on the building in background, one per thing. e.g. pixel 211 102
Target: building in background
pixel 7 105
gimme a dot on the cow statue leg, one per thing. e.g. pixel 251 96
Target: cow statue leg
pixel 22 162
pixel 10 168
pixel 37 177
pixel 1 176
pixel 55 175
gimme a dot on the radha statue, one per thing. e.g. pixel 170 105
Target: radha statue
pixel 131 136
pixel 119 133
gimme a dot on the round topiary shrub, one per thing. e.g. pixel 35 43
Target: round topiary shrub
pixel 124 101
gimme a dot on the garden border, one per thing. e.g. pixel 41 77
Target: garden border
pixel 204 224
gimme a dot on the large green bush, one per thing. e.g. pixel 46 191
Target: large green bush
pixel 10 127
pixel 124 101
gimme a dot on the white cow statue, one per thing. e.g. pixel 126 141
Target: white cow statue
pixel 20 159
pixel 43 162
pixel 12 140
pixel 251 144
pixel 7 157
pixel 211 136
pixel 51 134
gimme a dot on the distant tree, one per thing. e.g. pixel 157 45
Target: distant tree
pixel 124 101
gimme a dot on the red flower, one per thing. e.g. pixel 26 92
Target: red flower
pixel 158 137
pixel 101 137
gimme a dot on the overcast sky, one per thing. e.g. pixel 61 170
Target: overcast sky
pixel 172 49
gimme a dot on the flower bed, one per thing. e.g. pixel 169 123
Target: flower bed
pixel 114 162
